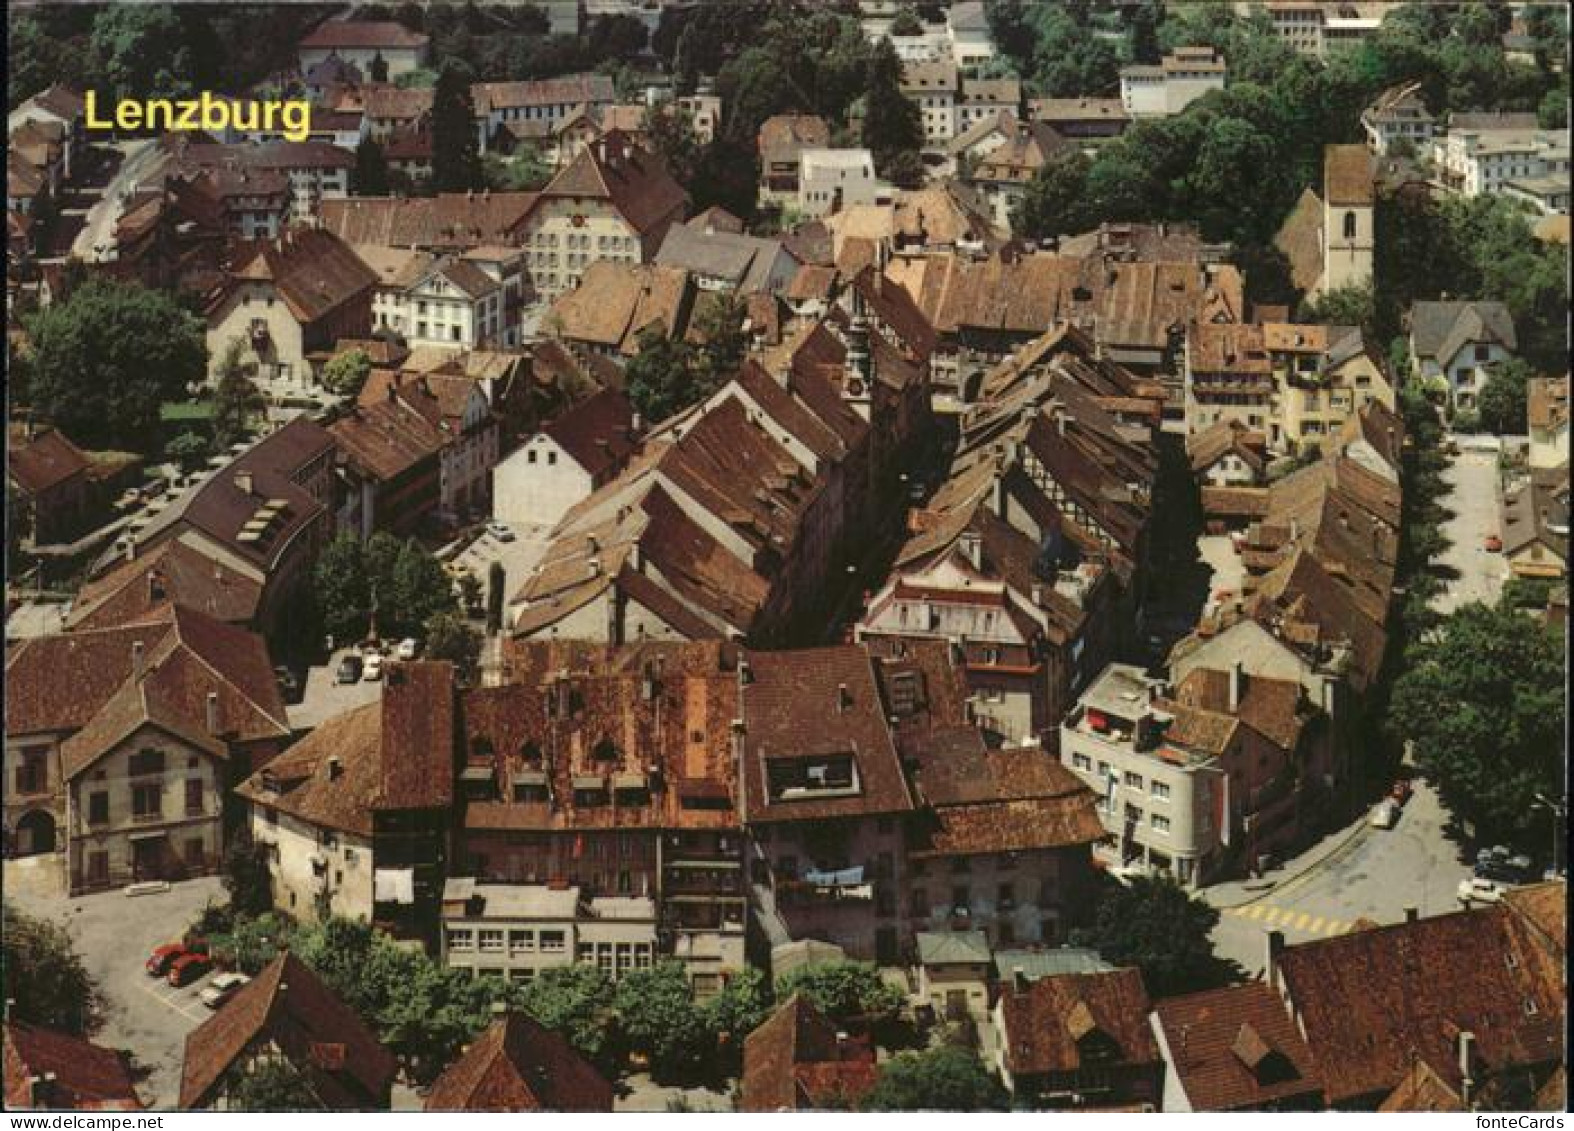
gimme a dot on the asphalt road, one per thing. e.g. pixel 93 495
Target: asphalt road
pixel 1358 872
pixel 99 227
pixel 1474 498
pixel 114 934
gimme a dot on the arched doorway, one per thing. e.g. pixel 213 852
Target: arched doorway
pixel 35 833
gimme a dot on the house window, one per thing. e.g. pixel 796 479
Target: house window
pixel 32 776
pixel 461 939
pixel 195 856
pixel 1161 790
pixel 147 800
pixel 551 459
pixel 961 898
pixel 98 808
pixel 194 801
pixel 1081 762
pixel 1133 780
pixel 530 456
pixel 1161 824
pixel 918 903
pixel 1006 897
pixel 521 942
pixel 145 762
pixel 553 942
pixel 1349 225
pixel 1483 353
pixel 491 939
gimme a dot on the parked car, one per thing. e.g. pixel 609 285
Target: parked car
pixel 1384 814
pixel 289 686
pixel 408 648
pixel 188 968
pixel 349 669
pixel 1401 791
pixel 221 988
pixel 500 531
pixel 162 958
pixel 1497 863
pixel 1494 544
pixel 1477 890
pixel 374 667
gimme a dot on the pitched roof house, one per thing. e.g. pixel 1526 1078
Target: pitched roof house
pixel 1235 1049
pixel 286 1010
pixel 517 1064
pixel 797 1060
pixel 48 1070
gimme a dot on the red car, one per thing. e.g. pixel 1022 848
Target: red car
pixel 1401 791
pixel 1494 544
pixel 162 958
pixel 188 968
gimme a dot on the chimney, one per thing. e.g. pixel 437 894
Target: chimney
pixel 1019 979
pixel 745 673
pixel 1329 693
pixel 1038 594
pixel 636 424
pixel 1237 685
pixel 41 1089
pixel 1060 423
pixel 973 549
pixel 1412 913
pixel 1295 530
pixel 213 712
pixel 136 659
pixel 844 698
pixel 335 767
pixel 736 734
pixel 1275 949
pixel 128 546
pixel 1467 1081
pixel 243 482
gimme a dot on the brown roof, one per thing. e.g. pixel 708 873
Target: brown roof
pixel 388 437
pixel 87 1077
pixel 1300 238
pixel 315 272
pixel 1226 437
pixel 1422 1089
pixel 1271 707
pixel 387 101
pixel 1049 1024
pixel 363 33
pixel 288 1005
pixel 564 90
pixel 45 460
pixel 783 136
pixel 517 1064
pixel 418 737
pixel 597 432
pixel 795 1061
pixel 171 573
pixel 616 302
pixel 448 220
pixel 813 703
pixel 1548 402
pixel 1371 1002
pixel 1236 1048
pixel 633 181
pixel 1347 175
pixel 1003 800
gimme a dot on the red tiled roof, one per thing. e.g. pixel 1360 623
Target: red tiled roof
pixel 794 1062
pixel 172 572
pixel 519 1065
pixel 596 432
pixel 1048 1024
pixel 87 1077
pixel 313 270
pixel 1236 1048
pixel 287 1004
pixel 45 460
pixel 367 34
pixel 633 181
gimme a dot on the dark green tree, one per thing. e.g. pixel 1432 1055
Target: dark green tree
pixel 141 50
pixel 1352 305
pixel 188 451
pixel 496 596
pixel 741 1007
pixel 892 124
pixel 449 638
pixel 944 1078
pixel 1504 398
pixel 269 1085
pixel 1157 926
pixel 663 377
pixel 108 357
pixel 246 876
pixel 340 587
pixel 658 1017
pixel 370 175
pixel 378 68
pixel 577 1002
pixel 1482 702
pixel 907 23
pixel 456 163
pixel 345 373
pixel 236 398
pixel 42 975
pixel 670 134
pixel 1054 202
pixel 842 990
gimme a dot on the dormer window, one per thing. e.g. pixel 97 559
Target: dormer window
pixel 833 775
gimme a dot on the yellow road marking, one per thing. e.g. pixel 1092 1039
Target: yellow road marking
pixel 1301 920
pixel 1254 911
pixel 1273 916
pixel 1317 925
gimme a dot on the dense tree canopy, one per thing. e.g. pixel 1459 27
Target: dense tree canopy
pixel 42 975
pixel 269 1085
pixel 944 1078
pixel 891 125
pixel 1157 926
pixel 108 357
pixel 659 1019
pixel 405 584
pixel 1482 701
pixel 456 162
pixel 842 990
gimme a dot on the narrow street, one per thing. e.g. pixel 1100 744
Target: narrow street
pixel 94 239
pixel 1471 572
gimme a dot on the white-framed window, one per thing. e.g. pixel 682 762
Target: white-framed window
pixel 461 938
pixel 1159 789
pixel 492 939
pixel 1161 824
pixel 1081 762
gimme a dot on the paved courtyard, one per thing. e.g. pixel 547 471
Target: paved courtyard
pixel 1353 873
pixel 1474 573
pixel 114 933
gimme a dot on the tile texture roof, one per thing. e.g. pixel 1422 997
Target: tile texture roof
pixel 795 1062
pixel 1048 1024
pixel 1236 1048
pixel 517 1064
pixel 44 460
pixel 87 1077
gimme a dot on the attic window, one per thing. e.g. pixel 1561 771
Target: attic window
pixel 604 751
pixel 531 752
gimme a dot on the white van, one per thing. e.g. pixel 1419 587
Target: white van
pixel 1384 814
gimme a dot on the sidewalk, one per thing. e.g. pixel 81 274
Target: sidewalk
pixel 1241 893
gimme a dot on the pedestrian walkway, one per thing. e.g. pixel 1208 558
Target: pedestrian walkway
pixel 1302 922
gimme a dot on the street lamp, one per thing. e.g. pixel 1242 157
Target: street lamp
pixel 1559 811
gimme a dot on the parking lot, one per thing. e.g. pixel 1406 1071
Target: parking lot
pixel 1474 573
pixel 114 933
pixel 324 696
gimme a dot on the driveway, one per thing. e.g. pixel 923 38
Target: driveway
pixel 114 934
pixel 1358 872
pixel 325 697
pixel 1471 573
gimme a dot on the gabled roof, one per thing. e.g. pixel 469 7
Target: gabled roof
pixel 616 302
pixel 365 34
pixel 517 1064
pixel 797 1061
pixel 1236 1048
pixel 448 220
pixel 86 1077
pixel 1300 238
pixel 633 181
pixel 43 460
pixel 1048 1024
pixel 744 261
pixel 942 948
pixel 1439 330
pixel 320 1035
pixel 589 88
pixel 1347 175
pixel 784 135
pixel 315 272
pixel 597 432
pixel 1373 1001
pixel 171 573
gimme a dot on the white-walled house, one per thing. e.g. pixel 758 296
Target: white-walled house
pixel 1178 80
pixel 368 45
pixel 832 179
pixel 1458 343
pixel 565 462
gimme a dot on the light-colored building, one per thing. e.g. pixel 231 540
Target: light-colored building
pixel 1493 153
pixel 543 102
pixel 931 84
pixel 1548 410
pixel 833 179
pixel 1178 80
pixel 1323 376
pixel 1398 114
pixel 453 304
pixel 1458 343
pixel 565 462
pixel 968 28
pixel 1349 224
pixel 515 931
pixel 370 45
pixel 1319 27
